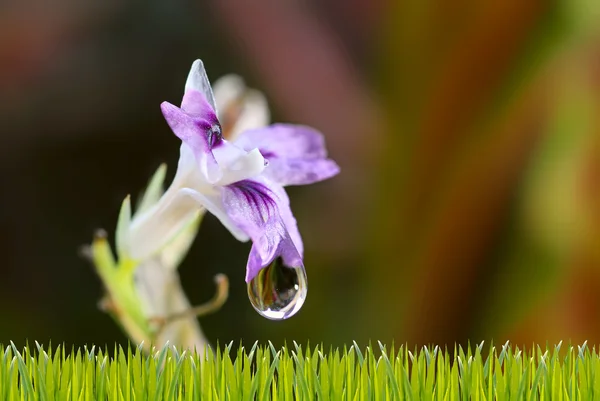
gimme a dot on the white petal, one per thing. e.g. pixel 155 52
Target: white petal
pixel 240 108
pixel 227 90
pixel 198 80
pixel 255 113
pixel 237 164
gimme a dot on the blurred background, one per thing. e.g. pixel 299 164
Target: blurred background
pixel 468 133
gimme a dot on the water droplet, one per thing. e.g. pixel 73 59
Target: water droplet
pixel 278 292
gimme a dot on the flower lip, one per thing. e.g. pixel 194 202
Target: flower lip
pixel 257 195
pixel 261 209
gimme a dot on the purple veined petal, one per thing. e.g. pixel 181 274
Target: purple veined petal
pixel 261 209
pixel 197 81
pixel 300 171
pixel 197 133
pixel 285 141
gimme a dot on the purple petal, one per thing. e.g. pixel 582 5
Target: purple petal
pixel 261 209
pixel 296 154
pixel 289 221
pixel 200 132
pixel 300 171
pixel 285 141
pixel 195 104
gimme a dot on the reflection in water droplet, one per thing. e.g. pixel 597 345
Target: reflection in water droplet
pixel 278 292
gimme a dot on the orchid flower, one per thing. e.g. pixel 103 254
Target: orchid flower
pixel 241 183
pixel 142 292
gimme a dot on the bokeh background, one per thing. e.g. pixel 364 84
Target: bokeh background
pixel 468 133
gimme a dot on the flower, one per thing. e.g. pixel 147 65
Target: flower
pixel 241 109
pixel 240 182
pixel 145 295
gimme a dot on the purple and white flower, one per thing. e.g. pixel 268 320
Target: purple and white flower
pixel 240 182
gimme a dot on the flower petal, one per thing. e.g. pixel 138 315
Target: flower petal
pixel 296 154
pixel 189 182
pixel 221 162
pixel 261 209
pixel 290 223
pixel 285 141
pixel 300 171
pixel 236 164
pixel 227 90
pixel 199 134
pixel 254 113
pixel 197 81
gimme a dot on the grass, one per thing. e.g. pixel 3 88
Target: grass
pixel 266 373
